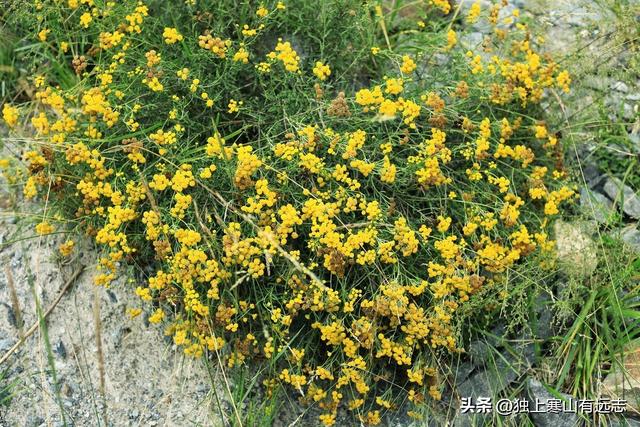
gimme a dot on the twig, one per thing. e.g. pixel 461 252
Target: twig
pixel 35 326
pixel 296 264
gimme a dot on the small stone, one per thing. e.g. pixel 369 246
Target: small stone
pixel 6 344
pixel 622 422
pixel 592 176
pixel 623 382
pixel 595 205
pixel 634 137
pixel 60 350
pixel 34 420
pixel 112 296
pixel 631 236
pixel 536 392
pixel 471 40
pixel 617 191
pixel 628 111
pixel 620 87
pixel 598 83
pixel 542 328
pixel 575 248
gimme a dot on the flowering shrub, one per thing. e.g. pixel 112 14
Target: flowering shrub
pixel 326 207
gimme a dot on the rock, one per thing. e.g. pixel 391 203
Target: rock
pixel 618 191
pixel 620 87
pixel 634 137
pixel 33 420
pixel 491 381
pixel 622 422
pixel 479 352
pixel 60 350
pixel 628 111
pixel 542 325
pixel 486 383
pixel 575 248
pixel 472 40
pixel 631 236
pixel 592 175
pixel 6 344
pixel 623 380
pixel 595 205
pixel 599 83
pixel 536 392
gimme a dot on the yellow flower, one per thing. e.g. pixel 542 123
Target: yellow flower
pixel 44 228
pixel 183 74
pixel 134 312
pixel 66 248
pixel 564 80
pixel 321 70
pixel 234 106
pixel 157 316
pixel 393 86
pixel 85 19
pixel 474 13
pixel 171 35
pixel 452 39
pixel 287 55
pixel 443 223
pixel 10 115
pixel 241 56
pixel 42 35
pixel 408 65
pixel 153 84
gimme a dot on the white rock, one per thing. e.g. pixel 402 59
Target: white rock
pixel 576 250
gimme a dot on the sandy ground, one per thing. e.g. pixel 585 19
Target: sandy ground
pixel 146 382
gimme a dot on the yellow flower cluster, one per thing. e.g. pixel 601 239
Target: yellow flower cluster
pixel 367 231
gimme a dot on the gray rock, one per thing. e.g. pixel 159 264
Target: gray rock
pixel 536 392
pixel 490 382
pixel 471 40
pixel 599 83
pixel 634 137
pixel 628 111
pixel 542 328
pixel 479 352
pixel 6 344
pixel 60 350
pixel 620 87
pixel 631 236
pixel 486 383
pixel 616 190
pixel 34 420
pixel 592 175
pixel 576 250
pixel 623 422
pixel 595 205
